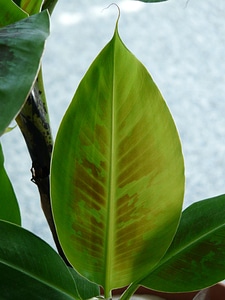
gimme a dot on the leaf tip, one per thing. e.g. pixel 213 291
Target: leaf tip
pixel 118 11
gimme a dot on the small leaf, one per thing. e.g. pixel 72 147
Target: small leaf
pixel 8 129
pixel 117 177
pixel 31 6
pixel 196 257
pixel 9 209
pixel 10 13
pixel 203 295
pixel 85 288
pixel 30 268
pixel 21 48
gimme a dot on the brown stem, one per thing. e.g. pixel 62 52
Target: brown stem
pixel 34 125
pixel 43 187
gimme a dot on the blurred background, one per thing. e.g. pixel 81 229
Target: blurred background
pixel 181 43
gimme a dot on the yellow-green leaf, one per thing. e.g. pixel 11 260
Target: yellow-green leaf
pixel 10 13
pixel 117 177
pixel 31 6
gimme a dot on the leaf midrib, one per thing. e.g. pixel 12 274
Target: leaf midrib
pixel 111 187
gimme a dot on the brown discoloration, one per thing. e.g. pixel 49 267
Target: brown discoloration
pixel 140 156
pixel 89 182
pixel 125 206
pixel 102 135
pixel 88 238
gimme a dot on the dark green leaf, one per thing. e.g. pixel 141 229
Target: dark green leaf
pixel 196 258
pixel 17 2
pixel 49 5
pixel 9 209
pixel 21 48
pixel 117 177
pixel 30 268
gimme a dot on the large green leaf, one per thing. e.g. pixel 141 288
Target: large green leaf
pixel 196 258
pixel 117 177
pixel 30 268
pixel 10 13
pixel 21 48
pixel 9 209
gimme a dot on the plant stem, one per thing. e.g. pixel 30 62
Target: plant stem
pixel 42 94
pixel 108 295
pixel 33 122
pixel 129 291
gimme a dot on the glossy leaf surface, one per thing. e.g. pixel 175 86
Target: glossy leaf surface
pixel 21 48
pixel 31 268
pixel 9 209
pixel 196 258
pixel 117 177
pixel 10 13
